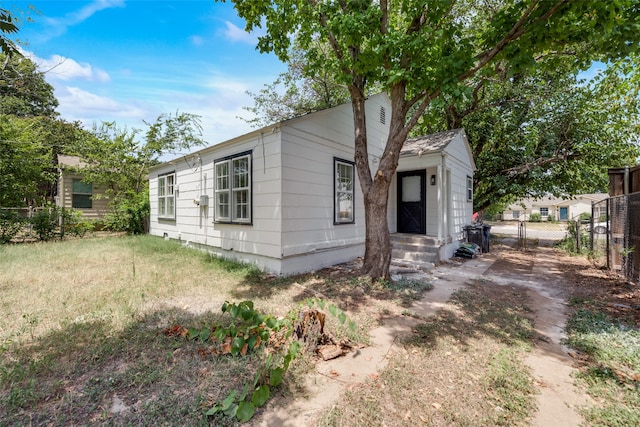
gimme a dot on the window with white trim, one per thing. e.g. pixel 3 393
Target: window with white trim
pixel 544 211
pixel 233 189
pixel 344 191
pixel 469 189
pixel 81 193
pixel 166 196
pixel 516 214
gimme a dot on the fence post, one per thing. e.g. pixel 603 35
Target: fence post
pixel 608 232
pixel 593 210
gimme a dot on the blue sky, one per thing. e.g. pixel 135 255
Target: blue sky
pixel 131 60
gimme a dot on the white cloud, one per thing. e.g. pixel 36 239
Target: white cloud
pixel 237 34
pixel 58 26
pixel 57 67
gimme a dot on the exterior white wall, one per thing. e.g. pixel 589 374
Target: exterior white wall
pixel 453 167
pixel 195 177
pixel 309 148
pixel 292 226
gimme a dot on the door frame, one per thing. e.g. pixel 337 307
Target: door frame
pixel 422 173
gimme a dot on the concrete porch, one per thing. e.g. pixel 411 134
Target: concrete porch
pixel 415 251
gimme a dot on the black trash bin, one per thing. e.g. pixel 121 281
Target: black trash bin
pixel 473 234
pixel 478 234
pixel 486 234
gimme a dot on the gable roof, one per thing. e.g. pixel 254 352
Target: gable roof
pixel 72 161
pixel 436 143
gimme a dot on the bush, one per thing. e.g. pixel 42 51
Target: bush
pixel 585 216
pixel 551 218
pixel 535 217
pixel 45 222
pixel 10 225
pixel 129 213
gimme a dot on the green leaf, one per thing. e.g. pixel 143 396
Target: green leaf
pixel 228 401
pixel 193 333
pixel 214 410
pixel 271 322
pixel 321 304
pixel 205 333
pixel 342 317
pixel 333 310
pixel 236 345
pixel 260 396
pixel 275 377
pixel 245 411
pixel 251 342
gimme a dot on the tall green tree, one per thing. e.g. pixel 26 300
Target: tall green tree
pixel 24 92
pixel 423 50
pixel 295 92
pixel 117 159
pixel 8 27
pixel 544 132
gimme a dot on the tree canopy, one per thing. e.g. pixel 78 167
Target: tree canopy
pixel 421 52
pixel 24 92
pixel 7 28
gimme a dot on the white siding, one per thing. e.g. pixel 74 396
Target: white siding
pixel 309 148
pixel 195 177
pixel 292 193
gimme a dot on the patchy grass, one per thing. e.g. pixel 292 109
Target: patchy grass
pixel 611 371
pixel 462 367
pixel 82 321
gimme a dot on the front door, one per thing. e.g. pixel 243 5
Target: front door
pixel 564 214
pixel 411 202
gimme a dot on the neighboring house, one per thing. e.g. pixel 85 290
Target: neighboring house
pixel 74 193
pixel 287 197
pixel 551 207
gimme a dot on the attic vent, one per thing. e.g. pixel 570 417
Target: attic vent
pixel 383 115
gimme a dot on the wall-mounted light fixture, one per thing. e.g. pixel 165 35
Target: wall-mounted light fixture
pixel 433 180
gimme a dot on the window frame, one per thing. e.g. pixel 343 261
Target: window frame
pixel 75 193
pixel 163 195
pixel 469 188
pixel 515 214
pixel 546 214
pixel 338 219
pixel 238 190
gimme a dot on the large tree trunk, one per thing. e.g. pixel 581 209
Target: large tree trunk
pixel 377 255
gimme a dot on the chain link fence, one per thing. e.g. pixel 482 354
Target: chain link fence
pixel 614 235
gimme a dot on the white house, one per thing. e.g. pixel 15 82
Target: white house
pixel 553 208
pixel 287 197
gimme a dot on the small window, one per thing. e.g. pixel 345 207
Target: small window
pixel 516 214
pixel 469 189
pixel 233 189
pixel 166 196
pixel 344 191
pixel 544 212
pixel 81 194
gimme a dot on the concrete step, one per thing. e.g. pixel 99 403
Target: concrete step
pixel 414 239
pixel 415 256
pixel 401 266
pixel 415 247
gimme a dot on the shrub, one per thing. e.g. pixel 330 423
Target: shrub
pixel 10 225
pixel 129 213
pixel 585 216
pixel 45 222
pixel 551 218
pixel 535 217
